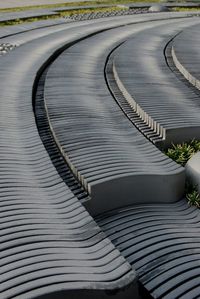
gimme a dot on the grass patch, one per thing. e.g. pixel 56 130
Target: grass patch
pixel 67 13
pixel 181 153
pixel 28 20
pixel 88 3
pixel 185 9
pixel 89 10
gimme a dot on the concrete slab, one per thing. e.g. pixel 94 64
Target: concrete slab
pixel 18 3
pixel 108 155
pixel 162 242
pixel 46 223
pixel 165 105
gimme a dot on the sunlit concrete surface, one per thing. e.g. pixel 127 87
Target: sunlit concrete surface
pixel 17 3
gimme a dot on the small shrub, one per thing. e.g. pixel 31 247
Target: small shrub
pixel 193 198
pixel 181 153
pixel 192 194
pixel 195 144
pixel 197 9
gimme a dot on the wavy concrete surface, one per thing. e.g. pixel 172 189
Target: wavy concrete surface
pixel 186 54
pixel 168 108
pixel 50 245
pixel 162 242
pixel 113 161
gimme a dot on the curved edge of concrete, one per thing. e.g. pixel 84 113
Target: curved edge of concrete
pixel 182 69
pixel 192 169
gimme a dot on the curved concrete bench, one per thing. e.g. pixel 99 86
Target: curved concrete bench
pixel 11 31
pixel 162 242
pixel 50 245
pixel 186 54
pixel 112 160
pixel 168 110
pixel 13 34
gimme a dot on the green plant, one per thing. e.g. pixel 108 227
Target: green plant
pixel 27 20
pixel 195 144
pixel 89 10
pixel 68 4
pixel 193 197
pixel 60 14
pixel 192 194
pixel 183 9
pixel 181 153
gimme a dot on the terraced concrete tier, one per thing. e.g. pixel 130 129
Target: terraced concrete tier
pixel 169 110
pixel 112 160
pixel 162 242
pixel 10 34
pixel 24 15
pixel 50 246
pixel 14 30
pixel 186 54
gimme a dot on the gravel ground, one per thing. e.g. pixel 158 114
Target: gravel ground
pixel 17 3
pixel 6 47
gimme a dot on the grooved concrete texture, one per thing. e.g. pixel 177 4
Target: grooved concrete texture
pixel 13 34
pixel 186 54
pixel 50 246
pixel 115 163
pixel 168 107
pixel 162 242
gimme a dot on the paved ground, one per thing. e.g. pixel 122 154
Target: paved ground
pixel 16 3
